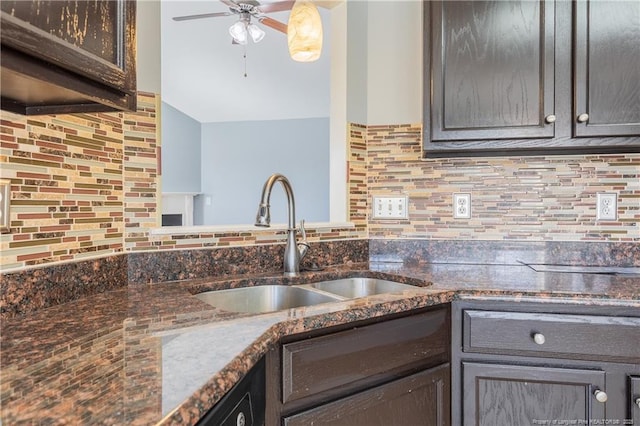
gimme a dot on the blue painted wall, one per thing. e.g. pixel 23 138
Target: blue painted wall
pixel 181 136
pixel 238 157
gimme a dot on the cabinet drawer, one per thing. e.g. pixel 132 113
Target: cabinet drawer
pixel 420 399
pixel 349 358
pixel 559 335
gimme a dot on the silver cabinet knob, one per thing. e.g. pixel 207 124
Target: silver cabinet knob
pixel 241 420
pixel 539 338
pixel 550 118
pixel 601 396
pixel 583 118
pixel 637 402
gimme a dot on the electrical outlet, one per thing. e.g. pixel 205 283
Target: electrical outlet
pixel 606 206
pixel 461 206
pixel 390 208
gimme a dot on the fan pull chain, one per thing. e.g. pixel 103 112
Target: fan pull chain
pixel 245 61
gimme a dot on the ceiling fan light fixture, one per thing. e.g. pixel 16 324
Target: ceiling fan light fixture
pixel 256 33
pixel 239 32
pixel 304 32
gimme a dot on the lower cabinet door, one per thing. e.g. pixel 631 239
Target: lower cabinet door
pixel 634 402
pixel 419 399
pixel 507 395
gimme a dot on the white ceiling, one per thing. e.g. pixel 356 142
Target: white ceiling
pixel 203 73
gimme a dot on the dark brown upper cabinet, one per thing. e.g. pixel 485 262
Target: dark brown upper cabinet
pixel 68 56
pixel 500 78
pixel 494 72
pixel 607 68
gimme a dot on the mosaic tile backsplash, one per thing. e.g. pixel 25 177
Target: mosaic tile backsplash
pixel 524 198
pixel 87 185
pixel 80 183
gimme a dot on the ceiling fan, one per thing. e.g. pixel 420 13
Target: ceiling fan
pixel 247 9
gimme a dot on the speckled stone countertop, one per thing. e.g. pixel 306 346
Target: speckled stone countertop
pixel 152 354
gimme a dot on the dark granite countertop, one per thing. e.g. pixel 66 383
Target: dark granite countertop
pixel 151 354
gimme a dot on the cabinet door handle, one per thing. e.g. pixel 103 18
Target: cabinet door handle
pixel 550 119
pixel 601 396
pixel 637 401
pixel 539 338
pixel 583 118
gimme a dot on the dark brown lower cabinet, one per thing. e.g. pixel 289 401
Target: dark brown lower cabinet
pixel 541 363
pixel 634 399
pixel 522 395
pixel 389 371
pixel 420 399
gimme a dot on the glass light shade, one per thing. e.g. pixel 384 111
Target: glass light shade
pixel 239 32
pixel 304 32
pixel 255 32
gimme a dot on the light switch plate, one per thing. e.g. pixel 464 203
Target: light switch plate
pixel 5 196
pixel 390 207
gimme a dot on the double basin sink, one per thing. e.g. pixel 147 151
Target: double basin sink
pixel 271 298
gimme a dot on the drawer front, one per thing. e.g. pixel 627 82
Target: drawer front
pixel 346 359
pixel 559 335
pixel 420 399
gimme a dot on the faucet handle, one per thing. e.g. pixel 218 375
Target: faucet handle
pixel 303 232
pixel 303 246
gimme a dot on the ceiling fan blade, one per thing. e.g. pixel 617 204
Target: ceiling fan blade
pixel 278 6
pixel 229 3
pixel 276 25
pixel 202 15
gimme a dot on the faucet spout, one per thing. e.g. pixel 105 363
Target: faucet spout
pixel 263 218
pixel 292 254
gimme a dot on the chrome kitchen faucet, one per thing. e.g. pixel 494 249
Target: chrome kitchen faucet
pixel 294 252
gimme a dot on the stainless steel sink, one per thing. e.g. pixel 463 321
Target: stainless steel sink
pixel 271 298
pixel 264 298
pixel 360 287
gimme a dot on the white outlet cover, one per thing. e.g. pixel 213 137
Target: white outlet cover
pixel 461 206
pixel 606 206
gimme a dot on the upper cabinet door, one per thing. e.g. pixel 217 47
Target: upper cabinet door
pixel 493 77
pixel 67 56
pixel 607 68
